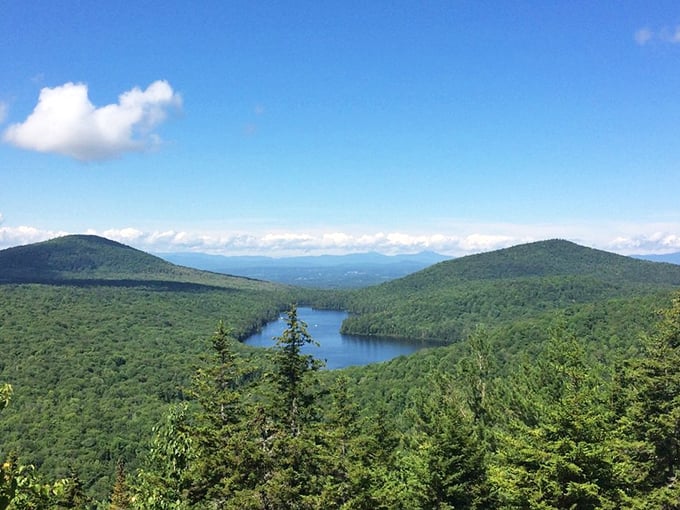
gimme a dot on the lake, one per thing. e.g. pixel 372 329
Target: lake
pixel 338 350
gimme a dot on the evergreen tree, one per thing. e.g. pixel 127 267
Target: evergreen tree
pixel 257 441
pixel 354 461
pixel 222 465
pixel 289 424
pixel 389 481
pixel 296 394
pixel 650 417
pixel 452 453
pixel 561 456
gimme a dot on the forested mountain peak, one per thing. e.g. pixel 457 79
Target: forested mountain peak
pixel 554 257
pixel 445 301
pixel 78 254
pixel 90 257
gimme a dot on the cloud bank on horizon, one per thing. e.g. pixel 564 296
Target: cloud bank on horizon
pixel 65 122
pixel 280 244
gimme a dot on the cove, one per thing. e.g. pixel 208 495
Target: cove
pixel 337 350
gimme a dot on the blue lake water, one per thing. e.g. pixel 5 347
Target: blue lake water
pixel 337 350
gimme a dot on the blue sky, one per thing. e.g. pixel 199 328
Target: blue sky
pixel 284 128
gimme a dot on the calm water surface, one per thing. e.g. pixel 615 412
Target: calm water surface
pixel 338 350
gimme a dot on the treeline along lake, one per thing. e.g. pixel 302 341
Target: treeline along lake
pixel 338 351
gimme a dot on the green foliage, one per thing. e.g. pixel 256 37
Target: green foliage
pixel 559 455
pixel 447 301
pixel 161 483
pixel 554 403
pixel 292 369
pixel 21 488
pixel 449 450
pixel 287 423
pixel 649 407
pixel 220 429
pixel 94 366
pixel 273 440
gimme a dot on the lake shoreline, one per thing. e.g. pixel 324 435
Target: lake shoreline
pixel 338 350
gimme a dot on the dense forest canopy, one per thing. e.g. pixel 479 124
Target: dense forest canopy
pixel 559 387
pixel 446 301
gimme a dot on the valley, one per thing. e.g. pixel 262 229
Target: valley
pixel 101 344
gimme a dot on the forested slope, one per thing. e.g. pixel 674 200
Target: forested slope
pixel 92 260
pixel 562 392
pixel 97 351
pixel 558 430
pixel 447 300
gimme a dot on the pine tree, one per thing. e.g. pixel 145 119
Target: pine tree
pixel 650 422
pixel 290 423
pixel 451 451
pixel 225 461
pixel 352 459
pixel 295 393
pixel 257 439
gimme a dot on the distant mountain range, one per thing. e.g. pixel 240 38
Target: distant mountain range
pixel 331 271
pixel 671 258
pixel 325 271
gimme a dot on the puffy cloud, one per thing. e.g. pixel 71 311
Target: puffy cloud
pixel 484 242
pixel 272 243
pixel 66 122
pixel 124 235
pixel 640 244
pixel 17 236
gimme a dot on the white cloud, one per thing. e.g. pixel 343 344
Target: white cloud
pixel 65 122
pixel 671 35
pixel 643 35
pixel 484 242
pixel 3 111
pixel 463 239
pixel 17 236
pixel 656 242
pixel 665 34
pixel 125 235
